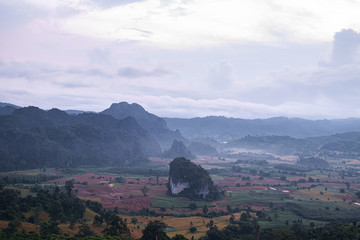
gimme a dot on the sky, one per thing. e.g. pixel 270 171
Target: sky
pixel 184 58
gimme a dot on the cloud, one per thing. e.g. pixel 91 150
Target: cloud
pixel 213 22
pixel 131 72
pixel 16 13
pixel 88 72
pixel 39 70
pixel 220 75
pixel 346 47
pixel 111 3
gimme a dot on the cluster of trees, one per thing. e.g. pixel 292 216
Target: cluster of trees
pixel 252 162
pixel 247 228
pixel 27 179
pixel 312 162
pixel 60 204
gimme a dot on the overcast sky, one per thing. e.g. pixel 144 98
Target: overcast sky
pixel 184 58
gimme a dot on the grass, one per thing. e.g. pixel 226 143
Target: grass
pixel 178 225
pixel 176 202
pixel 259 196
pixel 43 216
pixel 282 217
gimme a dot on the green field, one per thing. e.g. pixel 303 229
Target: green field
pixel 178 202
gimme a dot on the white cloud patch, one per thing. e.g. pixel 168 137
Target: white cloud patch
pixel 220 75
pixel 110 3
pixel 212 22
pixel 16 13
pixel 346 47
pixel 130 72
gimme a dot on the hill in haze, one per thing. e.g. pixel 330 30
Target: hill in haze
pixel 178 149
pixel 155 125
pixel 222 128
pixel 341 142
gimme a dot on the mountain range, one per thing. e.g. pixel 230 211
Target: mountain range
pixel 126 134
pixel 225 129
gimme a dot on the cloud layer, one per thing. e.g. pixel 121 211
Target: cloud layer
pixel 250 59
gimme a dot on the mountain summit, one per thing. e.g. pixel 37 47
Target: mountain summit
pixel 155 125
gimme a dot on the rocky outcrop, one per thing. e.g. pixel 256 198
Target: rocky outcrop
pixel 177 188
pixel 178 149
pixel 190 180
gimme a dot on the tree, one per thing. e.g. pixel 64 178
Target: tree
pixel 155 230
pixel 12 227
pixel 192 206
pixel 244 217
pixel 49 228
pixel 84 231
pixel 193 229
pixel 178 237
pixel 232 219
pixel 214 234
pixel 276 216
pixel 117 227
pixel 56 211
pixel 206 210
pixel 98 221
pixel 358 194
pixel 228 208
pixel 69 185
pixel 145 190
pixel 134 220
pixel 211 223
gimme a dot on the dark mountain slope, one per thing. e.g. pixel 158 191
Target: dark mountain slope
pixel 7 108
pixel 32 138
pixel 155 125
pixel 178 149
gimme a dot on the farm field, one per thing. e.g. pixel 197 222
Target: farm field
pixel 272 196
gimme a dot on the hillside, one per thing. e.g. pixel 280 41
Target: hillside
pixel 7 108
pixel 178 149
pixel 155 125
pixel 34 138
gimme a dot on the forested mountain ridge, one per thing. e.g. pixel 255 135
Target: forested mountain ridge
pixel 223 128
pixel 155 125
pixel 33 138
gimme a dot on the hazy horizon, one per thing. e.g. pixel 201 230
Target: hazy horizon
pixel 184 58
